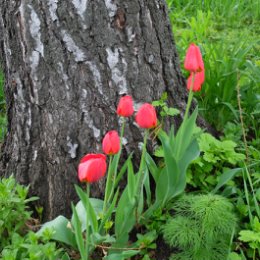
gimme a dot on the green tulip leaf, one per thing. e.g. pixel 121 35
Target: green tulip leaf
pixel 162 188
pixel 153 169
pixel 86 202
pixel 125 217
pixel 184 135
pixel 62 231
pixel 65 257
pixel 98 239
pixel 109 212
pixel 147 188
pixel 79 235
pixel 97 205
pixel 123 169
pixel 131 180
pixel 122 255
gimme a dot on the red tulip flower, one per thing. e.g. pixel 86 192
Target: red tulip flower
pixel 92 167
pixel 111 143
pixel 193 60
pixel 194 63
pixel 125 107
pixel 146 116
pixel 198 81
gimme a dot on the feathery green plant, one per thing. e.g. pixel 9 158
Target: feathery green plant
pixel 202 227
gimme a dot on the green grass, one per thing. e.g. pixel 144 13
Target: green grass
pixel 228 34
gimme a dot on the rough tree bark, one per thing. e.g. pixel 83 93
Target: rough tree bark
pixel 66 64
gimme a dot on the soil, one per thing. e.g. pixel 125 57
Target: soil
pixel 163 251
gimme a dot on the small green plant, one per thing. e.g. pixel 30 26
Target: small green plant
pixel 252 237
pixel 230 51
pixel 202 227
pixel 216 155
pixel 13 209
pixel 16 242
pixel 162 105
pixel 32 247
pixel 146 243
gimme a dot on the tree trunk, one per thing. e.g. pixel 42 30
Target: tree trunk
pixel 66 65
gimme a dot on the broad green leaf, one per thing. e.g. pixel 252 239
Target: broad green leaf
pixel 63 232
pixel 147 188
pixel 170 161
pixel 97 205
pixel 98 239
pixel 125 217
pixel 122 255
pixel 109 212
pixel 65 257
pixel 79 235
pixel 256 225
pixel 234 256
pixel 90 210
pixel 130 253
pixel 112 174
pixel 249 236
pixel 131 181
pixel 162 187
pixel 171 138
pixel 184 135
pixel 81 212
pixel 174 179
pixel 123 170
pixel 192 152
pixel 140 202
pixel 153 169
pixel 114 257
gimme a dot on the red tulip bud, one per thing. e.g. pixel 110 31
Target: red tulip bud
pixel 111 143
pixel 146 116
pixel 92 167
pixel 199 78
pixel 193 60
pixel 125 107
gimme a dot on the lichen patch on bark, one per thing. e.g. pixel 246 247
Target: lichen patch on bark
pixel 81 7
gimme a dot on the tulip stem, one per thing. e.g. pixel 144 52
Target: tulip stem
pixel 122 131
pixel 187 110
pixel 144 150
pixel 109 186
pixel 117 157
pixel 141 172
pixel 87 226
pixel 190 97
pixel 120 151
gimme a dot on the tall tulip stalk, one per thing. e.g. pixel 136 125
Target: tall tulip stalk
pixel 145 118
pixel 195 65
pixel 113 147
